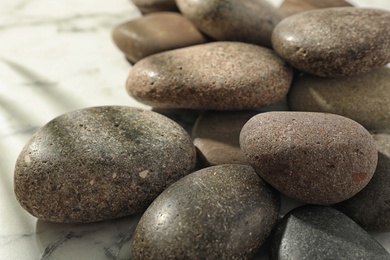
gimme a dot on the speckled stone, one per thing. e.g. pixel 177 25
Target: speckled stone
pixel 315 232
pixel 250 21
pixel 370 208
pixel 315 158
pixel 154 33
pixel 100 163
pixel 220 212
pixel 150 6
pixel 364 98
pixel 217 75
pixel 335 42
pixel 290 7
pixel 216 135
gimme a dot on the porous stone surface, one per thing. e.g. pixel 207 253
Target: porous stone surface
pixel 318 232
pixel 364 98
pixel 220 212
pixel 335 42
pixel 216 135
pixel 150 6
pixel 370 208
pixel 217 75
pixel 316 158
pixel 100 163
pixel 290 7
pixel 154 33
pixel 250 21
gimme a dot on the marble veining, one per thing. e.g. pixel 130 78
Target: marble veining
pixel 55 57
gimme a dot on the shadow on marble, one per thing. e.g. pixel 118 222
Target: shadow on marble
pixel 107 240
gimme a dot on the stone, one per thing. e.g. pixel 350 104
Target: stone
pixel 217 75
pixel 150 6
pixel 370 208
pixel 216 136
pixel 154 33
pixel 364 98
pixel 315 158
pixel 250 21
pixel 334 42
pixel 100 163
pixel 290 7
pixel 319 232
pixel 220 212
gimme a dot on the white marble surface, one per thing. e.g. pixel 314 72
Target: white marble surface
pixel 55 57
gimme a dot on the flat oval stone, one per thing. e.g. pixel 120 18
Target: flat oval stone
pixel 100 163
pixel 370 208
pixel 150 6
pixel 364 98
pixel 220 212
pixel 290 7
pixel 216 135
pixel 335 42
pixel 315 232
pixel 316 158
pixel 217 75
pixel 154 33
pixel 250 21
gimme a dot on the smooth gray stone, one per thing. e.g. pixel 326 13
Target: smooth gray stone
pixel 319 233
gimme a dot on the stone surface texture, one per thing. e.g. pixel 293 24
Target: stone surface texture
pixel 100 163
pixel 370 208
pixel 150 6
pixel 250 21
pixel 335 42
pixel 315 158
pixel 364 98
pixel 220 212
pixel 317 232
pixel 218 75
pixel 154 33
pixel 216 135
pixel 290 7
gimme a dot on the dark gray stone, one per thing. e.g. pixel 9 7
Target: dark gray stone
pixel 316 233
pixel 100 163
pixel 370 208
pixel 220 212
pixel 335 42
pixel 151 6
pixel 316 158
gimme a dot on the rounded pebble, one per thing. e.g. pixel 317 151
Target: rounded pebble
pixel 250 21
pixel 218 75
pixel 150 6
pixel 216 136
pixel 220 212
pixel 335 42
pixel 154 33
pixel 100 163
pixel 370 208
pixel 364 98
pixel 316 158
pixel 290 7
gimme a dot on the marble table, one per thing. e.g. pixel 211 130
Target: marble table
pixel 55 57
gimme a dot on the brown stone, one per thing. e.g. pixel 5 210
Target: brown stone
pixel 370 208
pixel 316 158
pixel 364 98
pixel 216 136
pixel 150 6
pixel 250 21
pixel 218 75
pixel 220 212
pixel 335 42
pixel 154 33
pixel 290 7
pixel 100 163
